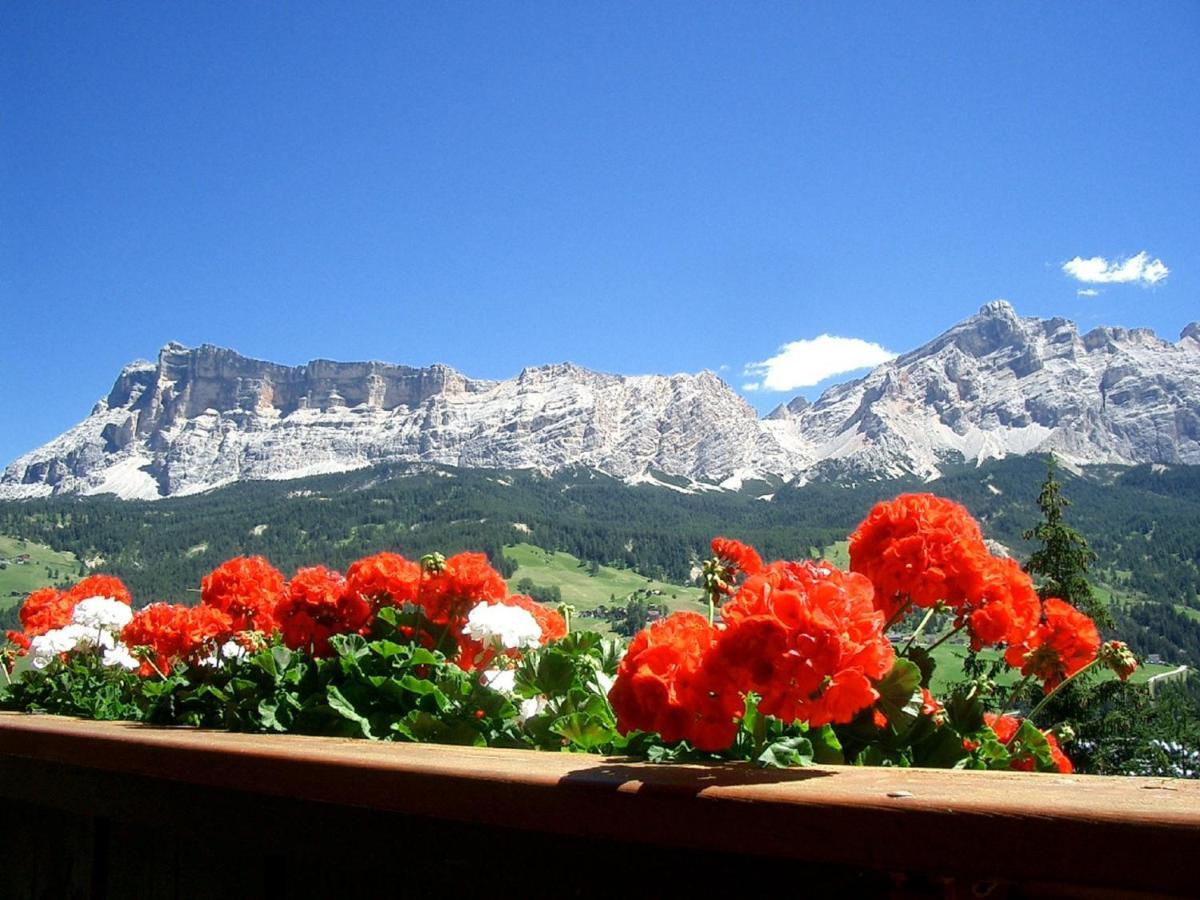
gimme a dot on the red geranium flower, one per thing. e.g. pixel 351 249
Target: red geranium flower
pixel 44 610
pixel 176 634
pixel 806 638
pixel 317 606
pixel 248 589
pixel 1064 642
pixel 1002 606
pixel 917 547
pixel 100 586
pixel 466 580
pixel 668 683
pixel 21 641
pixel 741 557
pixel 385 579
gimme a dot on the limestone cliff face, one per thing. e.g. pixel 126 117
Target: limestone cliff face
pixel 992 385
pixel 204 417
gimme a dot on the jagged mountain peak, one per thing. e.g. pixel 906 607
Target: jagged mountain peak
pixel 997 384
pixel 992 385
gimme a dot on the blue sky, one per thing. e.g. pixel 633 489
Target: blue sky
pixel 633 187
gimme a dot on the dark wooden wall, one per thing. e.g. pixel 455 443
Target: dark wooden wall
pixel 96 810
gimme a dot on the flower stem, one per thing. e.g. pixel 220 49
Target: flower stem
pixel 945 637
pixel 1058 687
pixel 1015 693
pixel 155 667
pixel 760 732
pixel 916 634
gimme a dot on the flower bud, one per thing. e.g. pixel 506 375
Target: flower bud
pixel 1118 657
pixel 433 562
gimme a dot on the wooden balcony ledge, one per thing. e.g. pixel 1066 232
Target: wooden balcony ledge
pixel 104 809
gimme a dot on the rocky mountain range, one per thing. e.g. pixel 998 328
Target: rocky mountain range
pixel 993 385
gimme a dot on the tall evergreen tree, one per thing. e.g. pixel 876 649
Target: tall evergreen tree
pixel 1061 563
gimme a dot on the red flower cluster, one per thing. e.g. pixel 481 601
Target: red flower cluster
pixel 804 636
pixel 926 549
pixel 385 579
pixel 1002 606
pixel 667 683
pixel 172 634
pixel 917 547
pixel 317 606
pixel 248 589
pixel 1006 728
pixel 44 610
pixel 464 581
pixel 247 594
pixel 1063 642
pixel 737 556
pixel 100 586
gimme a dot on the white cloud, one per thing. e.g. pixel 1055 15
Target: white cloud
pixel 1099 270
pixel 808 362
pixel 1087 292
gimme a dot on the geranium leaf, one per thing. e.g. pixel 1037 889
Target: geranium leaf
pixel 789 751
pixel 827 749
pixel 343 707
pixel 900 696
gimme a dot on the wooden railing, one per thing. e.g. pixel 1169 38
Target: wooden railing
pixel 104 809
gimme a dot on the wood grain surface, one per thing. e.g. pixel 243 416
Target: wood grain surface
pixel 1117 834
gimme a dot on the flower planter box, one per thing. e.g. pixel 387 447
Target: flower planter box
pixel 105 809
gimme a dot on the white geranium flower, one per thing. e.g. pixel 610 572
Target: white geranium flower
pixel 101 612
pixel 44 648
pixel 530 708
pixel 511 627
pixel 230 650
pixel 120 656
pixel 502 680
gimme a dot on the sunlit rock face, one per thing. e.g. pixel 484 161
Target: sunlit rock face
pixel 993 385
pixel 204 417
pixel 997 384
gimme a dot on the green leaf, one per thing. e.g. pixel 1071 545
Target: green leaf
pixel 900 696
pixel 827 749
pixel 349 646
pixel 943 749
pixel 343 707
pixel 789 751
pixel 1030 739
pixel 555 673
pixel 268 715
pixel 964 710
pixel 584 731
pixel 923 660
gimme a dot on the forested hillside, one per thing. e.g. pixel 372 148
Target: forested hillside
pixel 1144 524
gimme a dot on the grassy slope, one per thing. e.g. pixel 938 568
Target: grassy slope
pixel 17 581
pixel 583 591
